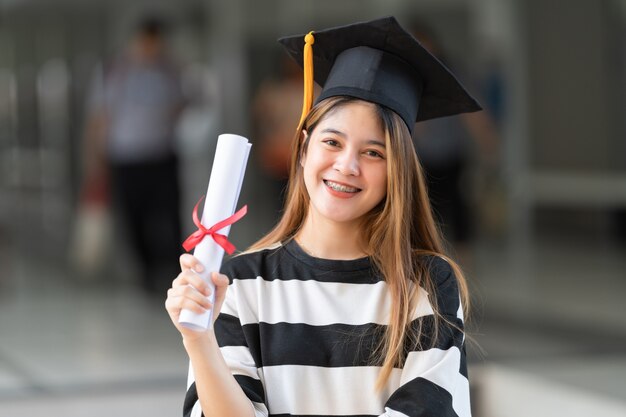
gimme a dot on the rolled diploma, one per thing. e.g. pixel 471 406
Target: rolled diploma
pixel 229 165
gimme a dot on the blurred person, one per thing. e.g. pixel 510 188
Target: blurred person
pixel 349 306
pixel 445 149
pixel 130 142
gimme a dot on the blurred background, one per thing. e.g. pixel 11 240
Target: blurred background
pixel 531 193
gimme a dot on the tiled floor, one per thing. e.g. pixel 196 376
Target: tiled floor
pixel 551 321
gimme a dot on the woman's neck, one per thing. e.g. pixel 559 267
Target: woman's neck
pixel 330 240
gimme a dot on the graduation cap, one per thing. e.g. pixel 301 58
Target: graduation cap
pixel 380 62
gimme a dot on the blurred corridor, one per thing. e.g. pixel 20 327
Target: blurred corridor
pixel 79 336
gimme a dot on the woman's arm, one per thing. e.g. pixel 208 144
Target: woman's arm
pixel 218 391
pixel 434 380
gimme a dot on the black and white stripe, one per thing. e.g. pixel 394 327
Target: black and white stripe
pixel 298 335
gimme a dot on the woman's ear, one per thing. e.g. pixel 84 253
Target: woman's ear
pixel 305 142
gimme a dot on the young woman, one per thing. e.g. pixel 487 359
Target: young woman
pixel 349 306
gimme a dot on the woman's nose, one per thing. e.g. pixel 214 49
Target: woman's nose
pixel 347 163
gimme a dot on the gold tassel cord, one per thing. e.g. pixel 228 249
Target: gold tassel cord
pixel 307 101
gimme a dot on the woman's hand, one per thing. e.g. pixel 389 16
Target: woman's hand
pixel 189 291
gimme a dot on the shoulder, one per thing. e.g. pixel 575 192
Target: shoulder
pixel 444 282
pixel 439 268
pixel 250 265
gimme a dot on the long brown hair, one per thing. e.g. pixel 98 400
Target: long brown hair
pixel 401 228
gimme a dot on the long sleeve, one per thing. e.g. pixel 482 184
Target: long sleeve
pixel 434 380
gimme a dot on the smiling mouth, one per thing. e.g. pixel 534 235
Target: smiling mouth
pixel 340 187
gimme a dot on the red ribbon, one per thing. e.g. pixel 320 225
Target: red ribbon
pixel 197 236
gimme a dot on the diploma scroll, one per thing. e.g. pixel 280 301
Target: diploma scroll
pixel 229 165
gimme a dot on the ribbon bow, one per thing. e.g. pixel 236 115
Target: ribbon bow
pixel 197 236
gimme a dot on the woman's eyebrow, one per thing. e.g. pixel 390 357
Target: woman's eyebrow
pixel 376 142
pixel 340 133
pixel 335 131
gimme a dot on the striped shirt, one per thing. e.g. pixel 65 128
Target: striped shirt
pixel 298 334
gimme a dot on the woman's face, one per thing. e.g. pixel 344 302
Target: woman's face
pixel 345 166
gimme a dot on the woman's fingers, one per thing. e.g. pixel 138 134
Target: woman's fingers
pixel 190 291
pixel 221 286
pixel 220 280
pixel 190 277
pixel 188 261
pixel 187 297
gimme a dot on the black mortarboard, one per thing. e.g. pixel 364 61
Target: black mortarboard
pixel 379 61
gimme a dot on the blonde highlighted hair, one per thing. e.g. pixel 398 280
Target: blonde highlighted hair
pixel 398 231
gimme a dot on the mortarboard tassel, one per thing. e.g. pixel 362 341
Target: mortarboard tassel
pixel 307 100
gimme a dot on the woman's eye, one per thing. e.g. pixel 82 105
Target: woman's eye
pixel 331 142
pixel 374 154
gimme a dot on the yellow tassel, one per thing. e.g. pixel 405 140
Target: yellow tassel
pixel 307 101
